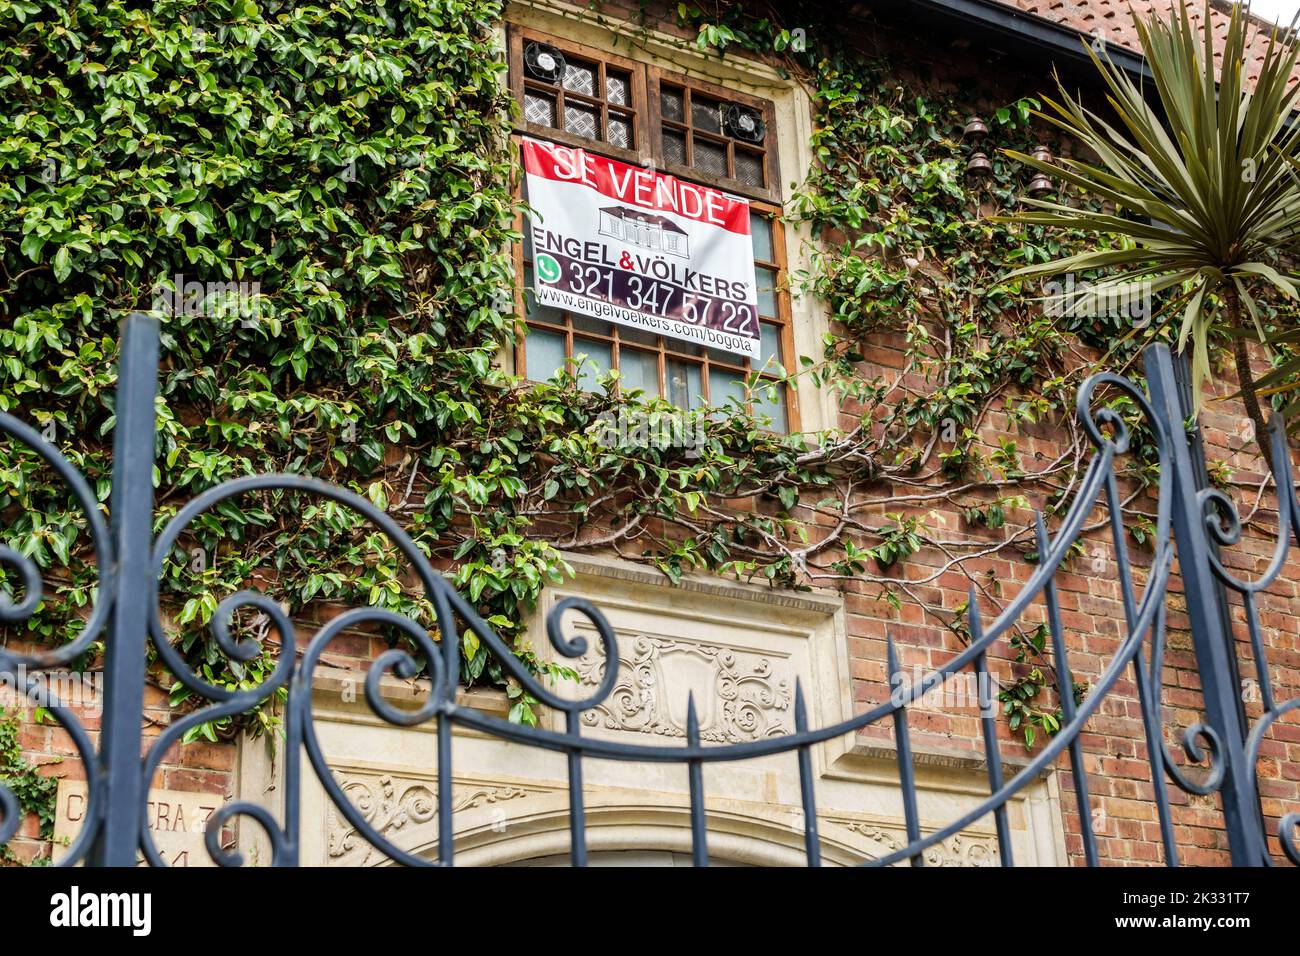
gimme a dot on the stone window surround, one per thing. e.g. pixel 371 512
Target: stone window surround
pixel 793 128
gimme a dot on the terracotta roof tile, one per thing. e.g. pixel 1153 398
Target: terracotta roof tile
pixel 1110 19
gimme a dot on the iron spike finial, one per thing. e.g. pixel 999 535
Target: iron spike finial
pixel 800 708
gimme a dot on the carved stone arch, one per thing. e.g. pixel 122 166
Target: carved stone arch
pixel 511 803
pixel 734 838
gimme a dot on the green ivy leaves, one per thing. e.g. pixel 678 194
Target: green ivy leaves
pixel 346 167
pixel 35 791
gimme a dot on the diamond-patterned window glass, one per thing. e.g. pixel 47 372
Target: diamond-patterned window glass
pixel 671 104
pixel 580 78
pixel 582 120
pixel 706 114
pixel 711 157
pixel 618 88
pixel 619 129
pixel 674 147
pixel 749 168
pixel 539 108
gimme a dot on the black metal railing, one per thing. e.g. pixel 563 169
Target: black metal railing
pixel 130 563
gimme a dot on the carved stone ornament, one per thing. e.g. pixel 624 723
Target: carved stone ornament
pixel 392 804
pixel 958 850
pixel 739 695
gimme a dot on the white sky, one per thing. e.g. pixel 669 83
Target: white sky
pixel 1281 10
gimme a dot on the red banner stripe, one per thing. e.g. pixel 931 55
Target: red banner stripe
pixel 636 186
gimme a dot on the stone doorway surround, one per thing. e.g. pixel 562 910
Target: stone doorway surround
pixel 739 648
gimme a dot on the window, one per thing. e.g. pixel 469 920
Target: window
pixel 715 134
pixel 697 132
pixel 579 96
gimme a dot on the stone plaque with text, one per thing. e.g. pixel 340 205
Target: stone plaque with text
pixel 176 820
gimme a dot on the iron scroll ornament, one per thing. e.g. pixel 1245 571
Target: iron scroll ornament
pixel 17 667
pixel 1204 743
pixel 1224 528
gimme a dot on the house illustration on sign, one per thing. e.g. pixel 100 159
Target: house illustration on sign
pixel 644 229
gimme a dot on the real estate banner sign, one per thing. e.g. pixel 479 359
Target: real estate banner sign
pixel 641 248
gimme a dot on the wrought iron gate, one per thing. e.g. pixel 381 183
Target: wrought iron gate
pixel 130 561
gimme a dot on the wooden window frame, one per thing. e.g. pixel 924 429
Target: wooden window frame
pixel 655 78
pixel 641 154
pixel 647 130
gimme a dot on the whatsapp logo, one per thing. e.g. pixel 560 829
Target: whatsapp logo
pixel 548 270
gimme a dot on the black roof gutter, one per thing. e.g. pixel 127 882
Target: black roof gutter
pixel 1054 38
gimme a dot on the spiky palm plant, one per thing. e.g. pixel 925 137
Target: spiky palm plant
pixel 1201 194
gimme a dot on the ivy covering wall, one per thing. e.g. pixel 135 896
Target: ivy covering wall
pixel 349 164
